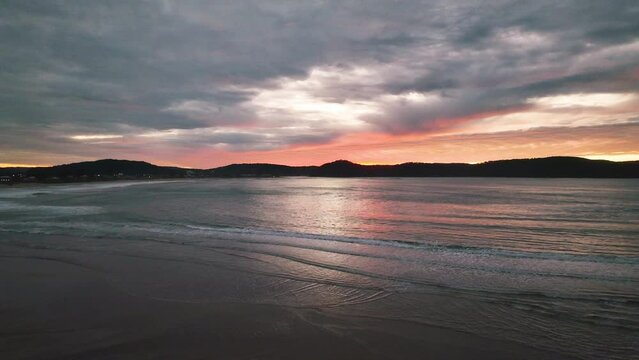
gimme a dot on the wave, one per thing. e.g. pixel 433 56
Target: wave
pixel 417 245
pixel 452 257
pixel 13 207
pixel 26 191
pixel 185 230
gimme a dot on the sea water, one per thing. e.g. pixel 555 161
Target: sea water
pixel 551 263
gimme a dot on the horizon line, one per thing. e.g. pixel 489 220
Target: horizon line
pixel 594 158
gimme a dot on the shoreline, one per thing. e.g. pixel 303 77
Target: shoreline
pixel 67 303
pixel 163 180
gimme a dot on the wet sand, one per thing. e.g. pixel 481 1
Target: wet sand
pixel 58 304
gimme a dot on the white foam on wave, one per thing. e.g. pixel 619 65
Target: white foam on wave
pixel 13 207
pixel 25 192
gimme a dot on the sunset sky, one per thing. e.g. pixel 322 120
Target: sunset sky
pixel 207 83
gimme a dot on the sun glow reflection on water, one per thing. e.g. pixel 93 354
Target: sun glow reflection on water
pixel 466 254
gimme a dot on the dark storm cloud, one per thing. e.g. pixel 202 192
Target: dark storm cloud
pixel 260 142
pixel 506 52
pixel 112 67
pixel 230 139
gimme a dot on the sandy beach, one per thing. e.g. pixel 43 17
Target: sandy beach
pixel 59 304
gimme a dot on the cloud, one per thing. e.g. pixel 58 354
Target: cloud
pixel 247 75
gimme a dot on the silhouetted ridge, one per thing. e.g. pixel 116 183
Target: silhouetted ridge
pixel 341 168
pixel 551 167
pixel 558 166
pixel 341 163
pixel 99 170
pixel 108 167
pixel 261 170
pixel 572 167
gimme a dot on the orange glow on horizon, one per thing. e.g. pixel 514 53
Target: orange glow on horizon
pixel 616 143
pixel 12 165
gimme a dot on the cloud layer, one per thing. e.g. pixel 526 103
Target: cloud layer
pixel 160 79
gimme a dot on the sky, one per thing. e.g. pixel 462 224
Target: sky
pixel 207 83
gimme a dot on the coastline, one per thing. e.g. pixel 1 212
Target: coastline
pixel 110 170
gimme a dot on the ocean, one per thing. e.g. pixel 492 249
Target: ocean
pixel 552 264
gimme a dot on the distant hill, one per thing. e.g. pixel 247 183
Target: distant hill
pixel 97 170
pixel 261 170
pixel 559 167
pixel 551 167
